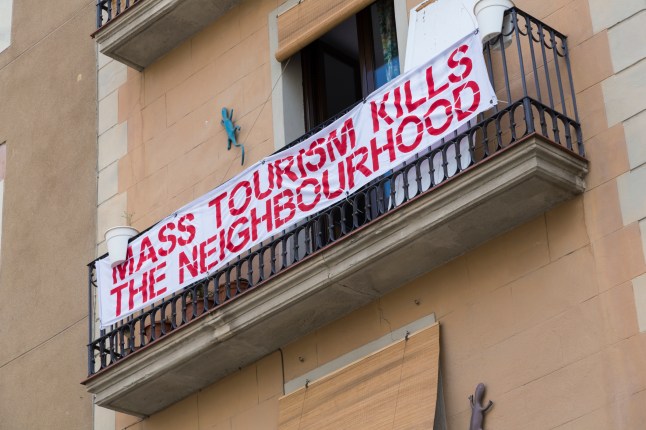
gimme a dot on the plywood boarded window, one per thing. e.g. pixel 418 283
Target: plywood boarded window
pixel 310 19
pixel 394 388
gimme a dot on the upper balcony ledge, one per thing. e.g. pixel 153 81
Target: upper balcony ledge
pixel 499 193
pixel 146 30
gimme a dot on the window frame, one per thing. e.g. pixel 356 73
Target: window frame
pixel 314 88
pixel 288 104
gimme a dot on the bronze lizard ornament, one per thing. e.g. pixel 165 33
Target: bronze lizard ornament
pixel 478 411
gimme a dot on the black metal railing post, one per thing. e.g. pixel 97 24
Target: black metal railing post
pixel 579 137
pixel 120 6
pixel 99 13
pixel 529 117
pixel 90 318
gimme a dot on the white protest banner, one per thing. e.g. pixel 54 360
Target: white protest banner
pixel 401 119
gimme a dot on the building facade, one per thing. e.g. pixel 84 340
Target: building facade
pixel 538 290
pixel 512 255
pixel 47 195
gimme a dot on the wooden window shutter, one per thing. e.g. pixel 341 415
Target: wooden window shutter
pixel 310 19
pixel 394 388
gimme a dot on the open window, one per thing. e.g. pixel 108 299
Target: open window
pixel 333 54
pixel 329 54
pixel 349 62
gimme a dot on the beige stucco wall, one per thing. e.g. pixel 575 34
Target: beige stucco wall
pixel 524 314
pixel 545 314
pixel 247 400
pixel 176 144
pixel 623 94
pixel 47 117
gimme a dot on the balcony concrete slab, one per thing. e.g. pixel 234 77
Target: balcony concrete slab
pixel 151 28
pixel 493 197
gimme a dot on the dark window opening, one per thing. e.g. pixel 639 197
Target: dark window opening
pixel 339 69
pixel 349 62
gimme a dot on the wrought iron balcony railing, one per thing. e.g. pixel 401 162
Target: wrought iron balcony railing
pixel 529 67
pixel 107 10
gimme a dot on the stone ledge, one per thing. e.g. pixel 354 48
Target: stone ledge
pixel 495 196
pixel 151 28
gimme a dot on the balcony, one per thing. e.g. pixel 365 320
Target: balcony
pixel 511 164
pixel 138 32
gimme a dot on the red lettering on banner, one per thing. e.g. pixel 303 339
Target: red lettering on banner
pixel 183 227
pixel 155 279
pixel 164 238
pixel 457 96
pixel 302 206
pixel 400 120
pixel 357 166
pixel 389 147
pixel 411 104
pixel 142 289
pixel 146 252
pixel 398 101
pixel 448 110
pixel 379 112
pixel 341 143
pixel 430 84
pixel 117 291
pixel 299 162
pixel 284 171
pixel 403 147
pixel 223 246
pixel 316 149
pixel 287 204
pixel 463 61
pixel 329 194
pixel 146 288
pixel 218 209
pixel 243 234
pixel 260 195
pixel 206 253
pixel 188 263
pixel 125 269
pixel 256 220
pixel 235 211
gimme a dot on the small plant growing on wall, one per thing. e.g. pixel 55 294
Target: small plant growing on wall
pixel 127 216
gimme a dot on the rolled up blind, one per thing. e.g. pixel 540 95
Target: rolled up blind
pixel 394 388
pixel 310 19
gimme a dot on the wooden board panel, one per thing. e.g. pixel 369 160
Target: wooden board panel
pixel 394 388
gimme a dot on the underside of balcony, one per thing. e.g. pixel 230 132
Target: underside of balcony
pixel 493 196
pixel 138 32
